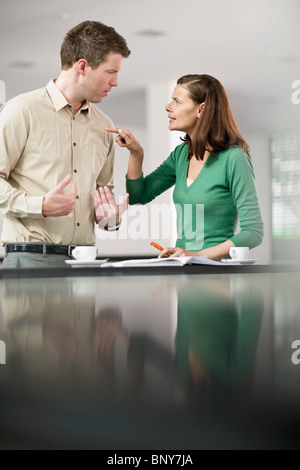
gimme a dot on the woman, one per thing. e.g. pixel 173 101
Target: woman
pixel 211 170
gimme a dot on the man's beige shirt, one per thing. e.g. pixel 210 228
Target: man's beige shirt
pixel 41 142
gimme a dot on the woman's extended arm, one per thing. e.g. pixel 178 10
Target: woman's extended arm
pixel 135 163
pixel 144 189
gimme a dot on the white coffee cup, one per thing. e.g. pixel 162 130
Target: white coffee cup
pixel 239 252
pixel 85 253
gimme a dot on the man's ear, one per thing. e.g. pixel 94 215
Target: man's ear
pixel 81 65
pixel 200 109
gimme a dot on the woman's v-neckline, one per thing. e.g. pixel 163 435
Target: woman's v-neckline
pixel 197 177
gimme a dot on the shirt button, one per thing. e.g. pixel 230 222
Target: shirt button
pixel 77 197
pixel 75 171
pixel 74 143
pixel 78 224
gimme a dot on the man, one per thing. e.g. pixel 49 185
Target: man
pixel 56 159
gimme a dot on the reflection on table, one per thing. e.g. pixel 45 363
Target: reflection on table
pixel 152 361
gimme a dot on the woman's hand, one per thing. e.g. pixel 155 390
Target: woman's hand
pixel 126 139
pixel 215 252
pixel 135 163
pixel 176 252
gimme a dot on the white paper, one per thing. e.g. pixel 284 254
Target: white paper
pixel 178 261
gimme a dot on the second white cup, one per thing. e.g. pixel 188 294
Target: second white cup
pixel 239 252
pixel 85 253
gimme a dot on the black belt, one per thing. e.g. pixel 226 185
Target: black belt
pixel 44 249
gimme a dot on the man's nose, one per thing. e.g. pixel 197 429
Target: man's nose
pixel 114 82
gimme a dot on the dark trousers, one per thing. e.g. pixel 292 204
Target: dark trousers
pixel 34 260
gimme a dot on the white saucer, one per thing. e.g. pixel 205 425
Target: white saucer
pixel 85 263
pixel 238 261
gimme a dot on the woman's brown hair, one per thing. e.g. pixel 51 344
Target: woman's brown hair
pixel 217 129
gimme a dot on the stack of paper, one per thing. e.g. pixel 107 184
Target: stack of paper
pixel 179 261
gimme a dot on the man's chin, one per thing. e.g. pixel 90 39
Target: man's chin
pixel 100 99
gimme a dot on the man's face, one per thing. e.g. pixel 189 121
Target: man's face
pixel 98 82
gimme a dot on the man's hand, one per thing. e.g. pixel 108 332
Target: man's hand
pixel 56 203
pixel 106 210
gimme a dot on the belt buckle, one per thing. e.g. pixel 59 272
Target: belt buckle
pixel 70 249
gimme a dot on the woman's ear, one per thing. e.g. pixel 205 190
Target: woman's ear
pixel 200 109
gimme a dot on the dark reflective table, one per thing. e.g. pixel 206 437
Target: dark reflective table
pixel 184 359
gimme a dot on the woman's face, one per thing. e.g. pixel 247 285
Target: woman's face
pixel 183 114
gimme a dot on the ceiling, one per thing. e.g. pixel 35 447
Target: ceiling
pixel 251 46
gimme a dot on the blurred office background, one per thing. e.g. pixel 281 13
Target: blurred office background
pixel 251 46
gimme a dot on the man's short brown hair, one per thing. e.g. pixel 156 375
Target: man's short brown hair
pixel 91 40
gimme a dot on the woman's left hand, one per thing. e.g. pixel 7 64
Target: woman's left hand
pixel 176 252
pixel 215 252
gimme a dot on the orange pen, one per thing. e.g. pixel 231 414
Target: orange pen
pixel 156 245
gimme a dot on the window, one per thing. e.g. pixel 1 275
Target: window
pixel 285 156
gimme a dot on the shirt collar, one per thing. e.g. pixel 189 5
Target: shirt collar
pixel 58 99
